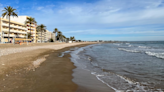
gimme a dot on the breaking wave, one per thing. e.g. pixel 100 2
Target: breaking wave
pixel 128 50
pixel 158 55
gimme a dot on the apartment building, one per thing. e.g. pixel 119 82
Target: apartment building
pixel 45 37
pixel 53 35
pixel 18 29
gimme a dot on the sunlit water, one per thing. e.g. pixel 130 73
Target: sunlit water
pixel 126 66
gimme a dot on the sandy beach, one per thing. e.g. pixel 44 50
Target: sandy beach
pixel 38 68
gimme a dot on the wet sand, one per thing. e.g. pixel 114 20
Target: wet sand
pixel 53 75
pixel 88 83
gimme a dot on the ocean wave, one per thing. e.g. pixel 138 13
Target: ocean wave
pixel 98 77
pixel 133 85
pixel 130 45
pixel 134 51
pixel 158 55
pixel 117 44
pixel 142 46
pixel 63 53
pixel 117 82
pixel 89 58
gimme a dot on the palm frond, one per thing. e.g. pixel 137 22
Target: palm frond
pixel 4 14
pixel 9 11
pixel 14 14
pixel 31 20
pixel 41 28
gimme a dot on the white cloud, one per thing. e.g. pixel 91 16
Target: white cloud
pixel 117 31
pixel 100 13
pixel 17 1
pixel 39 8
pixel 135 38
pixel 89 18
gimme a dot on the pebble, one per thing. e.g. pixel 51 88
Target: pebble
pixel 7 51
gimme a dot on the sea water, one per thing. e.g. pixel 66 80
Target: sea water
pixel 125 66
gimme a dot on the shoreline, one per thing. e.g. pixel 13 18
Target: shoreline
pixel 21 77
pixel 86 81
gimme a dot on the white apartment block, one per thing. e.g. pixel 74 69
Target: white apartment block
pixel 45 37
pixel 18 29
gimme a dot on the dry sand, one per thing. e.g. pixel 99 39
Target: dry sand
pixel 53 75
pixel 6 49
pixel 20 71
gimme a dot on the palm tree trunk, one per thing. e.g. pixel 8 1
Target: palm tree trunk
pixel 9 30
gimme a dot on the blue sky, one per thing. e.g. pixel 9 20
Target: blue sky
pixel 124 20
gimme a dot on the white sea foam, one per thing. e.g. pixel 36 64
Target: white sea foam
pixel 142 47
pixel 75 56
pixel 135 51
pixel 89 58
pixel 64 53
pixel 126 79
pixel 136 86
pixel 130 45
pixel 61 55
pixel 158 55
pixel 97 76
pixel 116 44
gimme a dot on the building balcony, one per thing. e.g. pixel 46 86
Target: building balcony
pixel 31 31
pixel 33 35
pixel 15 36
pixel 6 35
pixel 31 28
pixel 12 26
pixel 32 25
pixel 22 36
pixel 14 31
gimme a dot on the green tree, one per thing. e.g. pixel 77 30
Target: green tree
pixel 72 38
pixel 9 11
pixel 67 39
pixel 63 38
pixel 51 40
pixel 30 20
pixel 59 36
pixel 29 35
pixel 41 28
pixel 55 31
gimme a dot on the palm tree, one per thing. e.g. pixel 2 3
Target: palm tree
pixel 55 31
pixel 38 29
pixel 72 38
pixel 44 33
pixel 64 38
pixel 30 20
pixel 67 39
pixel 9 11
pixel 41 28
pixel 59 35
